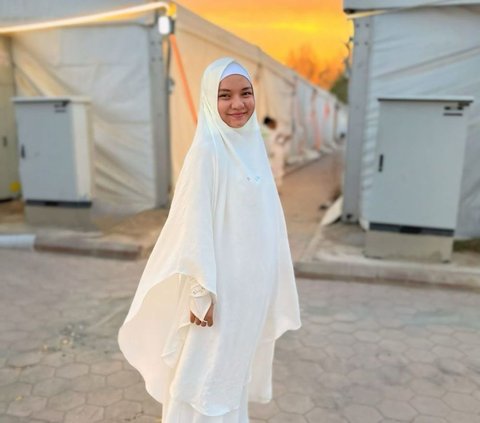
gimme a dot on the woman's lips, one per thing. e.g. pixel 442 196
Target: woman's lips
pixel 238 115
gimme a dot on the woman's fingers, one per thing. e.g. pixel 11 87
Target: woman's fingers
pixel 208 318
pixel 196 320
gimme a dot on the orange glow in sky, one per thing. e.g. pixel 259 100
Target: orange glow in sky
pixel 281 26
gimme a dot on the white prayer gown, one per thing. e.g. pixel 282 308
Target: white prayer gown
pixel 225 229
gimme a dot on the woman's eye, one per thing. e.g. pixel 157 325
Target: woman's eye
pixel 246 93
pixel 223 96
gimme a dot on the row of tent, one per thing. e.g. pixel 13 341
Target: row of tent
pixel 115 64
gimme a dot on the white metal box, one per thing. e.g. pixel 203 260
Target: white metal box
pixel 55 150
pixel 419 163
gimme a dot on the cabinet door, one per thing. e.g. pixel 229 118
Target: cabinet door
pixel 47 167
pixel 419 162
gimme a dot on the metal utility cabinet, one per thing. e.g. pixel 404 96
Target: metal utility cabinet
pixel 55 152
pixel 416 186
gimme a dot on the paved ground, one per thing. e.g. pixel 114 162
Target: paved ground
pixel 303 192
pixel 366 353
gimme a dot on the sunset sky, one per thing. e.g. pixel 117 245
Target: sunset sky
pixel 281 26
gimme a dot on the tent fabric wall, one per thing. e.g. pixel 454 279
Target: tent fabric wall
pixel 315 119
pixel 9 178
pixel 443 57
pixel 109 65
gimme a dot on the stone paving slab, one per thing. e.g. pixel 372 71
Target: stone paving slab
pixel 366 353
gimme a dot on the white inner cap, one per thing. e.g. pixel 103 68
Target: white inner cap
pixel 235 69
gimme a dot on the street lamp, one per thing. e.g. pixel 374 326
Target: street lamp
pixel 165 25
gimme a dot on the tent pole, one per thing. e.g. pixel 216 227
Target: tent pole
pixel 357 95
pixel 160 118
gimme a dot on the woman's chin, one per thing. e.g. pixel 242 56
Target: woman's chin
pixel 237 123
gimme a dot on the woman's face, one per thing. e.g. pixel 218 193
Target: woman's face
pixel 236 102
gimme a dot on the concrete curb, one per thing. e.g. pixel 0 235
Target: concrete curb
pixel 75 245
pixel 370 270
pixel 21 240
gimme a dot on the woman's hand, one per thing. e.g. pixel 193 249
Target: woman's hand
pixel 208 318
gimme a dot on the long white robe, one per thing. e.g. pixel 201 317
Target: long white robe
pixel 225 229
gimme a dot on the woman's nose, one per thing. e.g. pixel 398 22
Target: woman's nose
pixel 237 103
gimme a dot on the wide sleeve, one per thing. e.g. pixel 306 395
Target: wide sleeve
pixel 152 335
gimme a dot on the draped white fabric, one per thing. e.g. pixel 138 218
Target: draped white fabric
pixel 227 230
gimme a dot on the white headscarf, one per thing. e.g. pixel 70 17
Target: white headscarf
pixel 245 143
pixel 227 231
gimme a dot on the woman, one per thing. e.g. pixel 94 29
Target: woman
pixel 218 288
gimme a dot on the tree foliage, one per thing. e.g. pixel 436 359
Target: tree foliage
pixel 327 75
pixel 305 61
pixel 340 88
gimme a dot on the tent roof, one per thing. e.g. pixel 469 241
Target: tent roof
pixel 351 6
pixel 26 11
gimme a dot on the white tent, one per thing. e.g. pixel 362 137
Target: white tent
pixel 120 65
pixel 413 47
